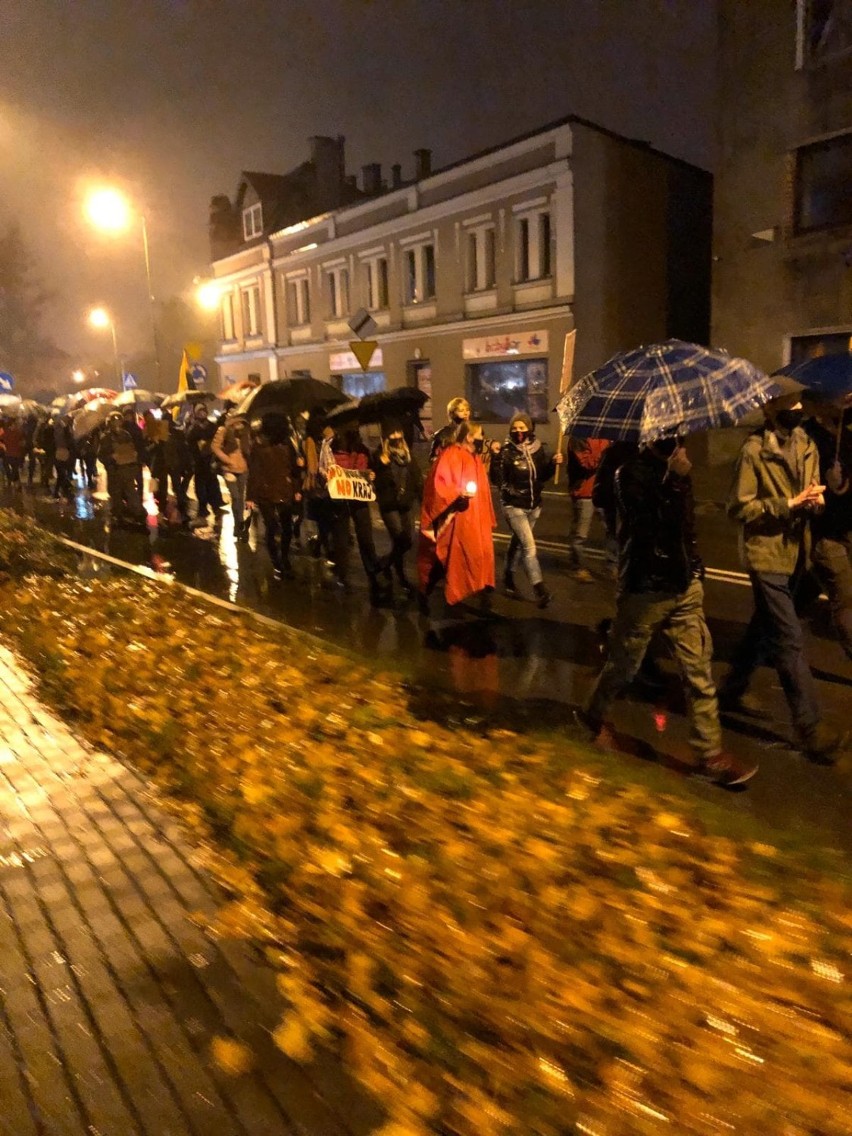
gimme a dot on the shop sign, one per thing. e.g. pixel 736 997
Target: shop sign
pixel 506 345
pixel 342 362
pixel 347 485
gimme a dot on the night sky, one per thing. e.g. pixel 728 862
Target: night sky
pixel 172 98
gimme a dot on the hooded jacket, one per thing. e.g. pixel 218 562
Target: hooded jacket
pixel 520 470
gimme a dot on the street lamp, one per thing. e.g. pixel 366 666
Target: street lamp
pixel 208 294
pixel 78 375
pixel 101 319
pixel 109 210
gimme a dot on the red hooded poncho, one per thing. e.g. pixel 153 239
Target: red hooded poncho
pixel 463 543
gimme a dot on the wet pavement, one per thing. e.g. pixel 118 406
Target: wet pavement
pixel 522 664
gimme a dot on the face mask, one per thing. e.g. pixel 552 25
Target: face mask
pixel 518 436
pixel 666 447
pixel 789 419
pixel 478 444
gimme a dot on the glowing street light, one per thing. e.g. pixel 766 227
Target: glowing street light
pixel 78 376
pixel 109 210
pixel 101 319
pixel 208 295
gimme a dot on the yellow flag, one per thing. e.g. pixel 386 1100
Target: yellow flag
pixel 185 381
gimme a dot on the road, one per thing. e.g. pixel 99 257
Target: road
pixel 526 666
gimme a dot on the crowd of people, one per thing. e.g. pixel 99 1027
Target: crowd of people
pixel 790 497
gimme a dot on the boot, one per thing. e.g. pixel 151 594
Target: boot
pixel 822 744
pixel 542 595
pixel 509 584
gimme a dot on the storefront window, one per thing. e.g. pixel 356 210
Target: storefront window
pixel 498 390
pixel 356 384
pixel 804 347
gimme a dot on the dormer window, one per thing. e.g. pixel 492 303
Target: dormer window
pixel 253 221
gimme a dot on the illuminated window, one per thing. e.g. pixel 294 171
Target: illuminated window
pixel 228 317
pixel 253 221
pixel 499 390
pixel 250 298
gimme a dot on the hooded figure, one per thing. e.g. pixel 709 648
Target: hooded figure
pixel 398 486
pixel 456 520
pixel 519 468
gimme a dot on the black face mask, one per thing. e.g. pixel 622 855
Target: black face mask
pixel 519 436
pixel 665 447
pixel 790 419
pixel 478 445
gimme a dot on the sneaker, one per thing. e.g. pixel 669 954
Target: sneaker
pixel 726 770
pixel 822 744
pixel 745 704
pixel 582 576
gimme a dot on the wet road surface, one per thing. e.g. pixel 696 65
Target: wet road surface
pixel 526 666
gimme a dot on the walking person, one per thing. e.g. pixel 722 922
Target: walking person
pixel 519 469
pixel 120 457
pixel 168 460
pixel 45 450
pixel 199 437
pixel 398 485
pixel 584 459
pixel 273 484
pixel 458 411
pixel 231 444
pixel 660 589
pixel 457 522
pixel 776 490
pixel 13 441
pixel 63 456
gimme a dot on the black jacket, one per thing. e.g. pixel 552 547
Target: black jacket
pixel 397 486
pixel 835 520
pixel 519 472
pixel 657 548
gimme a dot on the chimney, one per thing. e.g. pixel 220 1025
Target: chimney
pixel 422 164
pixel 328 160
pixel 372 178
pixel 396 175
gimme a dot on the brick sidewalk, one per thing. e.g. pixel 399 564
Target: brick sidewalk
pixel 109 995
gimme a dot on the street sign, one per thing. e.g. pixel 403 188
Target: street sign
pixel 198 373
pixel 7 382
pixel 363 350
pixel 363 324
pixel 129 382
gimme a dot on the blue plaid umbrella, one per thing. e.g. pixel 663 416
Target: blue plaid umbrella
pixel 663 390
pixel 828 375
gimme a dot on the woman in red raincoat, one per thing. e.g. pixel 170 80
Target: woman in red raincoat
pixel 456 521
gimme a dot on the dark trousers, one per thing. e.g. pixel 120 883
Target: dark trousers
pixel 400 528
pixel 63 478
pixel 161 473
pixel 834 571
pixel 278 523
pixel 207 488
pixel 13 470
pixel 124 498
pixel 774 636
pixel 340 515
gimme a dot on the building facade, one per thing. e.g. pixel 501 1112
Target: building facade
pixel 473 274
pixel 782 279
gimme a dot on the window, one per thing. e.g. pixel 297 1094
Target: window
pixel 356 384
pixel 533 246
pixel 822 185
pixel 298 301
pixel 251 310
pixel 804 347
pixel 377 283
pixel 419 274
pixel 823 31
pixel 480 258
pixel 497 391
pixel 337 286
pixel 228 317
pixel 253 221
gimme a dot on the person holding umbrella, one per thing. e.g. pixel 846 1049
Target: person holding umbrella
pixel 231 445
pixel 120 457
pixel 274 485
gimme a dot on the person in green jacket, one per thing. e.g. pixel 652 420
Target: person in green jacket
pixel 775 491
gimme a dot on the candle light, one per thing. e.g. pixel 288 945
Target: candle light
pixel 470 488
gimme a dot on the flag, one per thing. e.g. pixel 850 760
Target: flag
pixel 565 380
pixel 185 380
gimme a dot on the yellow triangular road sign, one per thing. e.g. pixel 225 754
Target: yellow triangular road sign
pixel 363 350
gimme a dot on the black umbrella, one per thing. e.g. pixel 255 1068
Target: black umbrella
pixel 274 425
pixel 290 396
pixel 402 403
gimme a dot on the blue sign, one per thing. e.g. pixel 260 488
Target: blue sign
pixel 198 373
pixel 7 382
pixel 129 382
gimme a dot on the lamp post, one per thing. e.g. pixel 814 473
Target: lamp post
pixel 100 318
pixel 110 211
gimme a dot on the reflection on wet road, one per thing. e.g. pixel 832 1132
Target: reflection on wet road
pixel 526 666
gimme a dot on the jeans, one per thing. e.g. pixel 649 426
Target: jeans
pixel 522 522
pixel 207 489
pixel 340 514
pixel 774 635
pixel 582 511
pixel 833 568
pixel 680 618
pixel 237 488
